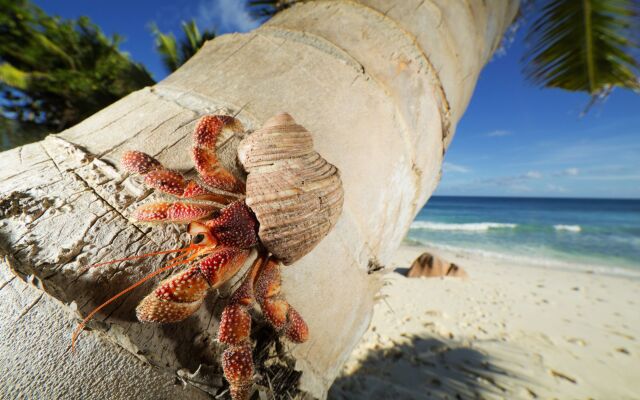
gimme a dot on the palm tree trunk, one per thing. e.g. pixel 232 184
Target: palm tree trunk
pixel 380 84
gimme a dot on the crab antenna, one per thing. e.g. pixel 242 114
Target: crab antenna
pixel 155 253
pixel 183 259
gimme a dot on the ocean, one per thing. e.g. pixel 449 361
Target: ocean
pixel 601 235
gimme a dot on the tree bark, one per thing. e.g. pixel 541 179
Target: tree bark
pixel 380 84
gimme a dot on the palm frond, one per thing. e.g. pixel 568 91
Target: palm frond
pixel 54 72
pixel 173 54
pixel 584 45
pixel 167 46
pixel 193 40
pixel 192 33
pixel 13 77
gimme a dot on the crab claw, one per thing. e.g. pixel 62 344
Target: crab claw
pixel 180 295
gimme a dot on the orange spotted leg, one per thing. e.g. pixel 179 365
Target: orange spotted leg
pixel 171 182
pixel 173 212
pixel 205 138
pixel 277 311
pixel 262 284
pixel 234 331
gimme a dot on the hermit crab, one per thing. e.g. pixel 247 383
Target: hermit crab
pixel 290 201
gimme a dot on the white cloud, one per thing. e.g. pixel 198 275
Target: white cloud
pixel 450 167
pixel 611 178
pixel 568 172
pixel 509 183
pixel 591 151
pixel 225 16
pixel 556 188
pixel 498 133
pixel 571 171
pixel 518 188
pixel 533 175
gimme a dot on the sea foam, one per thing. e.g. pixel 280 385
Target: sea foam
pixel 569 228
pixel 471 227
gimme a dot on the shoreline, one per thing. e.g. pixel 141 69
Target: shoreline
pixel 511 330
pixel 530 262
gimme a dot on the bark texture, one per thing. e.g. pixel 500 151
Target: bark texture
pixel 380 84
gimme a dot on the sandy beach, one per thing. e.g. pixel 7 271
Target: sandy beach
pixel 508 332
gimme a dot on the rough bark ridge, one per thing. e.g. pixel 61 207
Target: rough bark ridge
pixel 381 85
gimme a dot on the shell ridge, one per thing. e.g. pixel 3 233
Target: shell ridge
pixel 295 194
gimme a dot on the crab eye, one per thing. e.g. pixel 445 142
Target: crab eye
pixel 198 238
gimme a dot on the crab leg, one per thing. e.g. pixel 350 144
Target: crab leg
pixel 180 295
pixel 167 181
pixel 275 308
pixel 173 212
pixel 234 331
pixel 205 138
pixel 262 284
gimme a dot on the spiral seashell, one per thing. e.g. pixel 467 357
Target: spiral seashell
pixel 295 194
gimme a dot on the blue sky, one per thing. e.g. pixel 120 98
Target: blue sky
pixel 514 140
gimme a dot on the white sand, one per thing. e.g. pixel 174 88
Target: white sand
pixel 509 331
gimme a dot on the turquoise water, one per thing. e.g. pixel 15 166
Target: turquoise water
pixel 598 234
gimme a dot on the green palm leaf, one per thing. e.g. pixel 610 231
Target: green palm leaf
pixel 173 54
pixel 167 46
pixel 584 45
pixel 55 72
pixel 193 40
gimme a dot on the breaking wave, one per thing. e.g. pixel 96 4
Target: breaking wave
pixel 471 227
pixel 568 228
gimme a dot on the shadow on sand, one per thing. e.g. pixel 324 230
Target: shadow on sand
pixel 425 368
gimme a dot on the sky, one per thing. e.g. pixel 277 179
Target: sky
pixel 515 139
